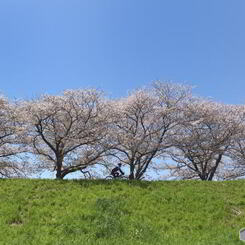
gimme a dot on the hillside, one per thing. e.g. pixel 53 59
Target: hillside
pixel 120 212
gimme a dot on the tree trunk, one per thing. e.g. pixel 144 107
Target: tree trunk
pixel 213 170
pixel 58 174
pixel 203 176
pixel 131 175
pixel 59 168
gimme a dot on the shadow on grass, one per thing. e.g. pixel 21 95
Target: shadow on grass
pixel 89 183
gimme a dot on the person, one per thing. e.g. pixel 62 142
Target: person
pixel 115 171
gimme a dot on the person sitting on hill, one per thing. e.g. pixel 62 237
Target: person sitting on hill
pixel 115 171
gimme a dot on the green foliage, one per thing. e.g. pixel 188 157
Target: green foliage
pixel 102 212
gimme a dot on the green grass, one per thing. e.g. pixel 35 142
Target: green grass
pixel 121 212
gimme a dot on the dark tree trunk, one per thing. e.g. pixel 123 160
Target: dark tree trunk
pixel 58 174
pixel 131 176
pixel 213 170
pixel 59 168
pixel 203 176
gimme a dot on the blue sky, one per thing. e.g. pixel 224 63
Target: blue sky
pixel 119 45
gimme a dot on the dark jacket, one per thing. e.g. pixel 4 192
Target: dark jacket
pixel 116 169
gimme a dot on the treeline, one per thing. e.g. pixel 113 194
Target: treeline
pixel 82 128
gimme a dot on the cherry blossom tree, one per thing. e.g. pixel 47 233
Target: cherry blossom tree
pixel 12 145
pixel 143 123
pixel 68 132
pixel 237 151
pixel 203 140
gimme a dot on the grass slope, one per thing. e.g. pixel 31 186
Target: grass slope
pixel 120 212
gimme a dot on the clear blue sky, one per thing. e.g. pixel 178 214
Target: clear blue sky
pixel 117 45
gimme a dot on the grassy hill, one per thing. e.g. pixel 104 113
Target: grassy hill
pixel 120 212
